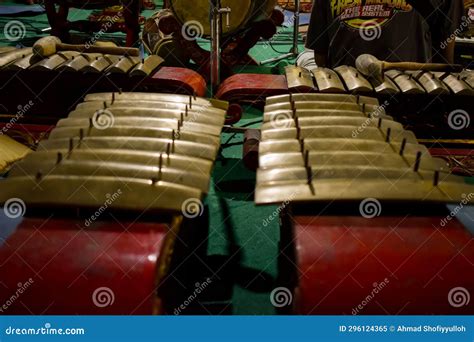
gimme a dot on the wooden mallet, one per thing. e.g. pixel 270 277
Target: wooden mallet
pixel 370 66
pixel 48 46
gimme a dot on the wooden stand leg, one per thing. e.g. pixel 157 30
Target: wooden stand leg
pixel 131 12
pixel 58 20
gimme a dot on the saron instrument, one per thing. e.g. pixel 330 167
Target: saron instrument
pixel 101 205
pixel 437 106
pixel 78 71
pixel 363 209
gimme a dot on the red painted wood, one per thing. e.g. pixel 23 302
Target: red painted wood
pixel 340 259
pixel 252 87
pixel 179 80
pixel 68 262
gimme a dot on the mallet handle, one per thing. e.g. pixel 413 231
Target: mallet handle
pixel 110 50
pixel 422 66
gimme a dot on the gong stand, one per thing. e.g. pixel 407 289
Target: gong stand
pixel 294 49
pixel 234 49
pixel 216 13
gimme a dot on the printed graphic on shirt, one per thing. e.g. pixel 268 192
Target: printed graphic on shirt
pixel 358 13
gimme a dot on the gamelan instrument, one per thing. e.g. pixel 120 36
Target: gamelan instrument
pixel 438 106
pixel 173 32
pixel 348 80
pixel 77 73
pixel 363 207
pixel 96 213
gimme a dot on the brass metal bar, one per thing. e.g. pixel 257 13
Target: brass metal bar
pixel 328 81
pixel 134 131
pixel 69 191
pixel 169 146
pixel 145 158
pixel 277 115
pixel 23 63
pixel 406 83
pixel 298 78
pixel 357 122
pixel 124 65
pixel 54 61
pixel 355 82
pixel 344 158
pixel 199 117
pixel 370 133
pixel 78 62
pixel 186 125
pixel 67 167
pixel 355 172
pixel 97 105
pixel 384 87
pixel 382 189
pixel 100 64
pixel 323 105
pixel 312 97
pixel 455 84
pixel 177 98
pixel 146 67
pixel 430 82
pixel 13 55
pixel 338 144
pixel 468 77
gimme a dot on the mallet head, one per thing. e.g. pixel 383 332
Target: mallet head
pixel 46 46
pixel 370 66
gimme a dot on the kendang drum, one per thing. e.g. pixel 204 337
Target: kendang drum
pixel 179 26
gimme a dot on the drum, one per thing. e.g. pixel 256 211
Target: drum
pixel 242 12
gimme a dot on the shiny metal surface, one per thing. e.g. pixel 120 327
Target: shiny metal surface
pixel 187 124
pixel 195 116
pixel 51 63
pixel 328 81
pixel 406 83
pixel 146 67
pixel 168 146
pixel 320 105
pixel 99 64
pixel 346 158
pixel 312 97
pixel 455 84
pixel 371 133
pixel 298 77
pixel 68 167
pixel 359 189
pixel 333 121
pixel 176 98
pixel 468 77
pixel 183 107
pixel 123 65
pixel 430 82
pixel 79 62
pixel 355 82
pixel 134 131
pixel 277 115
pixel 62 191
pixel 145 158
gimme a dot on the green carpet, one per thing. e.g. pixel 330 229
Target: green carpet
pixel 241 251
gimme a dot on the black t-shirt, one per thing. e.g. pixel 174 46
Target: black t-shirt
pixel 392 30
